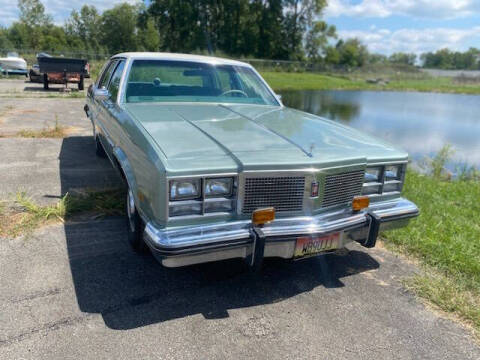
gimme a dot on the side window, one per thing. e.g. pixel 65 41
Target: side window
pixel 115 82
pixel 106 74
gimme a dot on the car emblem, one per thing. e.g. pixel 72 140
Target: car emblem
pixel 314 189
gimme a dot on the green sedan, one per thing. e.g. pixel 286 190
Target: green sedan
pixel 217 168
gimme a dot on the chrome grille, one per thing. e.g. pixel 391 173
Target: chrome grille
pixel 341 188
pixel 283 193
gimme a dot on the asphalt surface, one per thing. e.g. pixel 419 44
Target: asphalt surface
pixel 76 290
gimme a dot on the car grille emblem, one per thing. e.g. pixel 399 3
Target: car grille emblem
pixel 314 189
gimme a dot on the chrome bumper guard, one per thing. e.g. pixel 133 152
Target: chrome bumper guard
pixel 197 244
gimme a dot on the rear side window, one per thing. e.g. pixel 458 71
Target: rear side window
pixel 115 81
pixel 107 74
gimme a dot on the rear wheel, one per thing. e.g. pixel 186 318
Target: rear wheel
pixel 45 81
pixel 135 225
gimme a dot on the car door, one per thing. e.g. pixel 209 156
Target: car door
pixel 101 109
pixel 112 112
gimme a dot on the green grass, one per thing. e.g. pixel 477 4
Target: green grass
pixel 25 215
pixel 313 81
pixel 446 239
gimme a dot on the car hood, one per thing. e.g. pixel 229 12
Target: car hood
pixel 196 137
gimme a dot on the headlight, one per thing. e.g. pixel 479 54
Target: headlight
pixel 373 174
pixel 184 189
pixel 383 179
pixel 392 172
pixel 218 187
pixel 201 196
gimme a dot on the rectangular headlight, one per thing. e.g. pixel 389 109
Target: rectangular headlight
pixel 383 179
pixel 185 189
pixel 393 172
pixel 373 174
pixel 218 187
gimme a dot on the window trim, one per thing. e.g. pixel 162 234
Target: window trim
pixel 130 60
pixel 118 62
pixel 105 71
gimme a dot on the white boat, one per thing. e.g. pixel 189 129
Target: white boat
pixel 13 64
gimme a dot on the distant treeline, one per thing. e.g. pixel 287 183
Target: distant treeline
pixel 263 29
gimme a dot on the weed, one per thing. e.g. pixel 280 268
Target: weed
pixel 443 156
pixel 57 131
pixel 25 215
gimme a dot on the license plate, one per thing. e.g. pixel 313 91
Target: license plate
pixel 311 245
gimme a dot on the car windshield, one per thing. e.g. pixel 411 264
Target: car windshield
pixel 183 81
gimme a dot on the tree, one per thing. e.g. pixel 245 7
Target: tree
pixel 85 25
pixel 317 39
pixel 403 58
pixel 4 40
pixel 32 13
pixel 299 14
pixel 377 59
pixel 441 59
pixel 119 28
pixel 149 37
pixel 332 55
pixel 352 53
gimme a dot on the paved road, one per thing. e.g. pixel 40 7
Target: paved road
pixel 76 290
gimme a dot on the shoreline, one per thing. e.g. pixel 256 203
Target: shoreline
pixel 284 81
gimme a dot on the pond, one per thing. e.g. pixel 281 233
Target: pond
pixel 420 123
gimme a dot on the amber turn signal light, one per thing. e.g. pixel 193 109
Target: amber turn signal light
pixel 360 202
pixel 263 216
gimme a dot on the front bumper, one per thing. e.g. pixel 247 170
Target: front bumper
pixel 198 244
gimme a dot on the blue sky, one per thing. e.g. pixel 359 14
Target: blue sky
pixel 385 26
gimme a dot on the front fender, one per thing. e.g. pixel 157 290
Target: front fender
pixel 126 170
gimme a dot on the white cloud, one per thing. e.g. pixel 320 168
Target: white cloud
pixel 415 40
pixel 437 9
pixel 58 9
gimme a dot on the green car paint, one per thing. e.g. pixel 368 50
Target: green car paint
pixel 154 142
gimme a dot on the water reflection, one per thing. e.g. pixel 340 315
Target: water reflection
pixel 322 103
pixel 421 123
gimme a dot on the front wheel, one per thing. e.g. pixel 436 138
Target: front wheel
pixel 135 225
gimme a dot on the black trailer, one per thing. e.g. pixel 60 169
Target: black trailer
pixel 60 70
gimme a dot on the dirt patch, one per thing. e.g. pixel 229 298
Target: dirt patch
pixel 53 132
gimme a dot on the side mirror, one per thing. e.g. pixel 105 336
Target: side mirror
pixel 279 97
pixel 101 94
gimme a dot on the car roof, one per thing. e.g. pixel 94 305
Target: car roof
pixel 180 57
